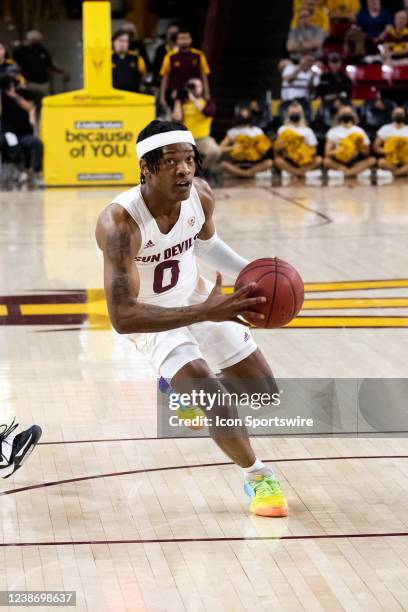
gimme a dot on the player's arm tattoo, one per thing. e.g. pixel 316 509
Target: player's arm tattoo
pixel 120 287
pixel 119 250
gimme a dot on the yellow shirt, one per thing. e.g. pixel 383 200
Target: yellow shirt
pixel 194 120
pixel 396 41
pixel 343 8
pixel 141 64
pixel 320 16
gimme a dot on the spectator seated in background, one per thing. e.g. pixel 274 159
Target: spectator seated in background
pixel 248 148
pixel 14 71
pixel 192 109
pixel 347 145
pixel 128 67
pixel 373 20
pixel 343 9
pixel 395 40
pixel 181 65
pixel 326 114
pixel 17 127
pixel 342 15
pixel 354 45
pixel 319 13
pixel 260 112
pixel 305 38
pixel 168 45
pixel 299 80
pixel 334 82
pixel 325 117
pixel 295 145
pixel 283 108
pixel 36 62
pixel 391 144
pixel 375 113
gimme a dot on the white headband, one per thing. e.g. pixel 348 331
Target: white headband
pixel 161 140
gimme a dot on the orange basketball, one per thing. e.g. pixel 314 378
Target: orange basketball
pixel 282 286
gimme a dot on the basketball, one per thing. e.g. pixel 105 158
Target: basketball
pixel 280 283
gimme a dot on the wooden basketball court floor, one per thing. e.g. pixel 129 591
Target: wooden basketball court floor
pixel 135 523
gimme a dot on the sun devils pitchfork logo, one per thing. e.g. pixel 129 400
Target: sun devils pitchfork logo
pixel 98 54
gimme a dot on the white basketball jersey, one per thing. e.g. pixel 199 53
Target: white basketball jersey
pixel 166 262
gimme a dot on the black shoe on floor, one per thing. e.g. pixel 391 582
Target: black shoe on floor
pixel 14 453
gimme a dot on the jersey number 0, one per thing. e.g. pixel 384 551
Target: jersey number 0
pixel 166 275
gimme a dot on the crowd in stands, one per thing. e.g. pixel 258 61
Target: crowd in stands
pixel 317 131
pixel 347 131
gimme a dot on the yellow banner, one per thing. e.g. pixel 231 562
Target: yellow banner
pixel 92 145
pixel 89 135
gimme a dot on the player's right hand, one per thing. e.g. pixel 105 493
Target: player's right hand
pixel 219 307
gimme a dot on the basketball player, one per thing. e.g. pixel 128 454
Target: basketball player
pixel 150 236
pixel 16 448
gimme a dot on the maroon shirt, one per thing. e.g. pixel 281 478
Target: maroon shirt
pixel 180 66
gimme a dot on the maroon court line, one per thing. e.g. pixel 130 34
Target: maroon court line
pixel 277 329
pixel 373 280
pixel 319 536
pixel 335 299
pixel 63 329
pixel 82 290
pixel 55 483
pixel 107 440
pixel 74 297
pixel 286 435
pixel 326 218
pixel 346 316
pixel 47 319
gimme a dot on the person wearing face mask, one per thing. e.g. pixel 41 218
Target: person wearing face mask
pixel 295 146
pixel 247 148
pixel 391 144
pixel 347 145
pixel 168 45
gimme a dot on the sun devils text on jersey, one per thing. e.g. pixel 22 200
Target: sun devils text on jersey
pixel 166 262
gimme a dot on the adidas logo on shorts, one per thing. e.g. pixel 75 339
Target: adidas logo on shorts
pixel 149 244
pixel 246 337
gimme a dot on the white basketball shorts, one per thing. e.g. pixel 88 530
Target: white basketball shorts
pixel 222 345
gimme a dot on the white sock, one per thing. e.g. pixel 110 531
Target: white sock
pixel 258 468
